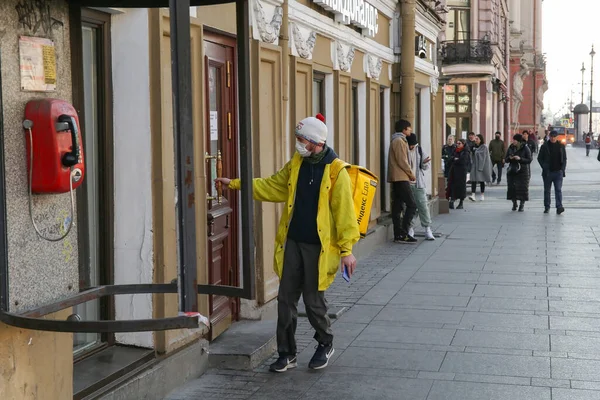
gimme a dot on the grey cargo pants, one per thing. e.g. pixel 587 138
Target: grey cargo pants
pixel 301 277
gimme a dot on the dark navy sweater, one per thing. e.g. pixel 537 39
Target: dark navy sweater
pixel 303 227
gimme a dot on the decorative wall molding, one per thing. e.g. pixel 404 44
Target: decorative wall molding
pixel 342 56
pixel 425 67
pixel 264 29
pixel 303 41
pixel 434 85
pixel 373 66
pixel 327 27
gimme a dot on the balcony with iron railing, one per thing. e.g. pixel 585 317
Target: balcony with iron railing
pixel 467 52
pixel 471 58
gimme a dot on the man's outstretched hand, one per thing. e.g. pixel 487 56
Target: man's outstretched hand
pixel 350 263
pixel 224 181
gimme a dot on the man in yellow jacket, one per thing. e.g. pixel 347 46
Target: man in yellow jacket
pixel 317 229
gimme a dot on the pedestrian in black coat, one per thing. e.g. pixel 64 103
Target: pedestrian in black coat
pixel 518 158
pixel 448 154
pixel 457 177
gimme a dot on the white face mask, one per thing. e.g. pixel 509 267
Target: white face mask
pixel 302 150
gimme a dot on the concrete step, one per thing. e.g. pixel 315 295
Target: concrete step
pixel 244 346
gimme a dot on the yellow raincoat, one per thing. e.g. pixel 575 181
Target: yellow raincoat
pixel 336 221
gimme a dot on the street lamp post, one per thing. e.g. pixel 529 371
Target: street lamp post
pixel 592 54
pixel 582 71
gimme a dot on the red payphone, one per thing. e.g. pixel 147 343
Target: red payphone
pixel 54 151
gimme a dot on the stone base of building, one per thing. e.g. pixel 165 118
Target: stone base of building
pixel 155 380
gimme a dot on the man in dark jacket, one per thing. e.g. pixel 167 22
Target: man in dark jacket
pixel 471 142
pixel 553 160
pixel 400 175
pixel 497 154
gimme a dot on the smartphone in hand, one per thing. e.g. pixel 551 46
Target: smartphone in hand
pixel 345 274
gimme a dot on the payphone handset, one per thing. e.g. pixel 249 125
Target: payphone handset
pixel 54 152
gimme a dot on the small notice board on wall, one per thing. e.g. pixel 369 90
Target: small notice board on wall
pixel 37 61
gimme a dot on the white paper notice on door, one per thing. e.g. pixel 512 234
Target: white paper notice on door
pixel 214 125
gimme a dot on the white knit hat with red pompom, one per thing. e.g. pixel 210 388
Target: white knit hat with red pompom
pixel 312 129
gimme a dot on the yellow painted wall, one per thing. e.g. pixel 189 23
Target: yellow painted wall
pixel 269 150
pixel 383 32
pixel 36 365
pixel 220 16
pixel 421 79
pixel 342 96
pixel 437 140
pixel 384 77
pixel 322 54
pixel 358 68
pixel 374 139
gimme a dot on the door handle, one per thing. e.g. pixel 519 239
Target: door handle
pixel 219 185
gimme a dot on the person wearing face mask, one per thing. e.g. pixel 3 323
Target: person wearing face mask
pixel 317 230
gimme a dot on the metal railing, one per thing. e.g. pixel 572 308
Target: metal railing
pixel 466 52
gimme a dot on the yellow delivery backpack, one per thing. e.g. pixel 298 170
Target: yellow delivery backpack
pixel 364 186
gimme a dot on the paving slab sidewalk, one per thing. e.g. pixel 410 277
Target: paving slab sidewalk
pixel 494 309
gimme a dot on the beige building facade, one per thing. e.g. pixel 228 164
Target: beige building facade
pixel 475 67
pixel 114 66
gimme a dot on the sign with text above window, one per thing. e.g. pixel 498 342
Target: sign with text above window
pixel 353 12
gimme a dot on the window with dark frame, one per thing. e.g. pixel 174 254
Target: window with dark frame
pixel 458 109
pixel 458 27
pixel 458 99
pixel 318 95
pixel 417 125
pixel 355 125
pixel 94 199
pixel 384 145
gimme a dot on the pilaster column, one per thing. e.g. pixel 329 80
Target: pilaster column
pixel 515 14
pixel 407 61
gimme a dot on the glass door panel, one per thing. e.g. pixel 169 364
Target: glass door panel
pixel 89 270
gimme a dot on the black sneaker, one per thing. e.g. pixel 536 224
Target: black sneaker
pixel 451 205
pixel 560 210
pixel 321 357
pixel 546 210
pixel 406 239
pixel 283 363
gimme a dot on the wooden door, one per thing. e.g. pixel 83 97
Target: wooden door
pixel 221 140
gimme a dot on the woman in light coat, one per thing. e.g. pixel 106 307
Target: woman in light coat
pixel 481 169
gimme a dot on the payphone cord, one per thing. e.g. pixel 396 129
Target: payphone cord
pixel 31 197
